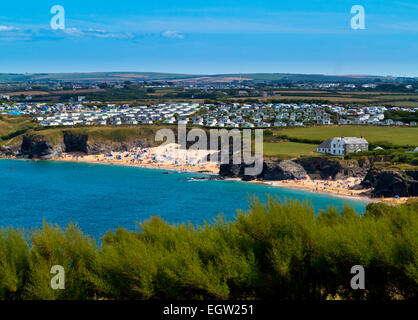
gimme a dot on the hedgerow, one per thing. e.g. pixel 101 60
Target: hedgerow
pixel 276 250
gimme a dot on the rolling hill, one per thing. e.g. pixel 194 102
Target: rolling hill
pixel 155 76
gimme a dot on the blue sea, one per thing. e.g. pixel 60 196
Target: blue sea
pixel 101 197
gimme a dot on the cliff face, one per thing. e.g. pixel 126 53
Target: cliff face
pixel 284 170
pixel 75 142
pixel 11 149
pixel 272 170
pixel 315 167
pixel 40 147
pixel 319 167
pixel 37 146
pixel 391 182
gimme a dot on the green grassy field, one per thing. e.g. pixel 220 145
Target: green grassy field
pixel 12 124
pixel 400 136
pixel 109 133
pixel 287 149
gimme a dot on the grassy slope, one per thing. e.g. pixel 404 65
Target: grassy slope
pixel 103 134
pixel 396 135
pixel 287 149
pixel 11 124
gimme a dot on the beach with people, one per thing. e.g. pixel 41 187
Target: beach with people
pixel 172 157
pixel 167 157
pixel 347 188
pixel 340 187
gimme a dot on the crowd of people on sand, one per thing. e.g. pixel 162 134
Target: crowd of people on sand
pixel 165 157
pixel 345 187
pixel 171 157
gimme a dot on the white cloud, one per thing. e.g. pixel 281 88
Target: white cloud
pixel 6 28
pixel 99 33
pixel 73 32
pixel 173 34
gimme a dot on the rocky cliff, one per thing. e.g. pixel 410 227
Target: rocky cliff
pixel 391 182
pixel 284 170
pixel 322 167
pixel 11 148
pixel 272 170
pixel 76 142
pixel 39 147
pixel 315 167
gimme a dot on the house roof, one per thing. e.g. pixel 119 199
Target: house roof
pixel 354 140
pixel 326 144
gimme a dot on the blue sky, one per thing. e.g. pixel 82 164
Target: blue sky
pixel 207 37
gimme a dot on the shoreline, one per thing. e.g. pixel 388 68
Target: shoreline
pixel 213 171
pixel 279 184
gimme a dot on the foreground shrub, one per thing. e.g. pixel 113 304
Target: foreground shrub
pixel 273 251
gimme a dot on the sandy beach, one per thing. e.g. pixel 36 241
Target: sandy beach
pixel 341 188
pixel 168 157
pixel 171 157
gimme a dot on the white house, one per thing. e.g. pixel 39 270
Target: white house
pixel 346 145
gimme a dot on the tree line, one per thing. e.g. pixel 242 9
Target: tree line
pixel 276 250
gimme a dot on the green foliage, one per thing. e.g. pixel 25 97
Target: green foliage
pixel 404 116
pixel 392 155
pixel 386 137
pixel 277 250
pixel 299 140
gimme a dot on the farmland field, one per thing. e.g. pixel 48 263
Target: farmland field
pixel 401 99
pixel 287 149
pixel 396 135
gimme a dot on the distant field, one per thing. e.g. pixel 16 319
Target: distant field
pixel 45 93
pixel 287 149
pixel 396 135
pixel 369 98
pixel 26 93
pixel 321 98
pixel 405 103
pixel 299 91
pixel 77 91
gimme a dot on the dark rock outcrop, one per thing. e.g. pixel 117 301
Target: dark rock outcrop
pixel 272 170
pixel 75 142
pixel 284 170
pixel 99 147
pixel 10 150
pixel 238 171
pixel 391 182
pixel 37 146
pixel 321 167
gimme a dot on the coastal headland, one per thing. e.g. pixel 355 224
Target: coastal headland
pixel 359 178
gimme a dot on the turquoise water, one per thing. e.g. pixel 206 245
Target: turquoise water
pixel 103 197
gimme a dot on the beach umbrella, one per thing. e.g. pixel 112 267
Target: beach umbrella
pixel 396 197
